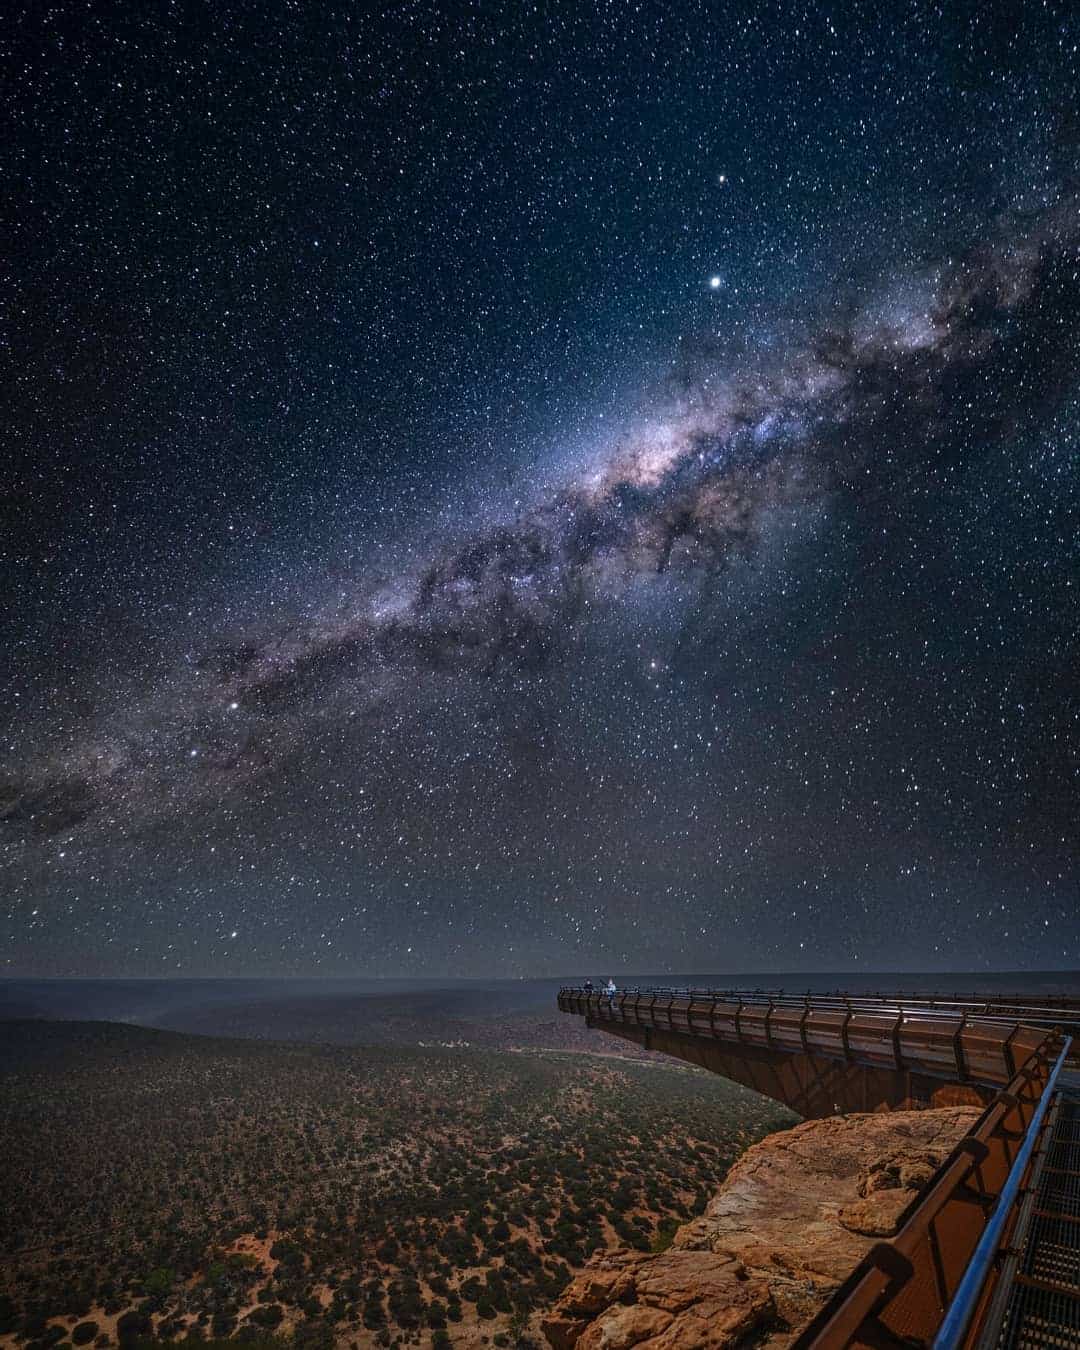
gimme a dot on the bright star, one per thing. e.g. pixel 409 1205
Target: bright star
pixel 715 283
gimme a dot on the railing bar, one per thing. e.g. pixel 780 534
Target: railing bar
pixel 937 1263
pixel 960 1312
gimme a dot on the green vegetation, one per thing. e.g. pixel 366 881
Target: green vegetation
pixel 181 1186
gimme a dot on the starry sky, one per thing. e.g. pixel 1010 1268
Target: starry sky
pixel 527 490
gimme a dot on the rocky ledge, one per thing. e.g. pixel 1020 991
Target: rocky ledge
pixel 794 1216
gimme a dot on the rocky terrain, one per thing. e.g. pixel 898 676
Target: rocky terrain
pixel 792 1218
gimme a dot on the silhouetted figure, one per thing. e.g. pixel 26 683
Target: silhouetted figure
pixel 611 991
pixel 588 986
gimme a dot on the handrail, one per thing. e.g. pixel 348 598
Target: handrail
pixel 966 1299
pixel 1059 1013
pixel 901 1290
pixel 891 999
pixel 937 1043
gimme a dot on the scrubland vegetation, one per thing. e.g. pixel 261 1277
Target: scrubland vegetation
pixel 169 1186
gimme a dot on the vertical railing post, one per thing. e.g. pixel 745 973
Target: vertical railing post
pixel 943 1290
pixel 897 1048
pixel 844 1041
pixel 1007 1052
pixel 958 1049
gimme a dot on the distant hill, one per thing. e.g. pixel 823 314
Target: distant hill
pixel 394 1011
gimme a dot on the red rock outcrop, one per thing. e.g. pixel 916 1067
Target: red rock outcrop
pixel 792 1218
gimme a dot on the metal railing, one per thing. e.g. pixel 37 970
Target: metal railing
pixel 959 1045
pixel 1053 1013
pixel 1035 1296
pixel 977 1277
pixel 901 1292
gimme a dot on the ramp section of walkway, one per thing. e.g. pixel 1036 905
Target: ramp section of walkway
pixel 938 1282
pixel 1036 1302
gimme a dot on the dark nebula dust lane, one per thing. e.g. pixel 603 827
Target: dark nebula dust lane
pixel 988 341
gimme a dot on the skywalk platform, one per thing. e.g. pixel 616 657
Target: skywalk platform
pixel 988 1255
pixel 822 1054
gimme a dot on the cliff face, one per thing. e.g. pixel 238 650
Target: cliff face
pixel 793 1217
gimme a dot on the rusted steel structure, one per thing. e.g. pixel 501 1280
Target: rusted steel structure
pixel 902 1291
pixel 989 1254
pixel 825 1054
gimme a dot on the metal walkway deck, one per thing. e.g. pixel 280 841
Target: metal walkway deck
pixel 1037 1305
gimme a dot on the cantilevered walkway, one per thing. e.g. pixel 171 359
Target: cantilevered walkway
pixel 989 1253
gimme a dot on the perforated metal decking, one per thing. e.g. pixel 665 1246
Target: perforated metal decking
pixel 1037 1306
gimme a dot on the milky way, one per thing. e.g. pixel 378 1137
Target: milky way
pixel 690 493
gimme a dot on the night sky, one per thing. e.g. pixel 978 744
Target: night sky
pixel 508 489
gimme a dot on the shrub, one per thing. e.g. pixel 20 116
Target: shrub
pixel 406 1304
pixel 374 1313
pixel 267 1315
pixel 222 1325
pixel 133 1325
pixel 159 1281
pixel 311 1335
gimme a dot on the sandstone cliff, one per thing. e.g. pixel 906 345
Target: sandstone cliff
pixel 793 1217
